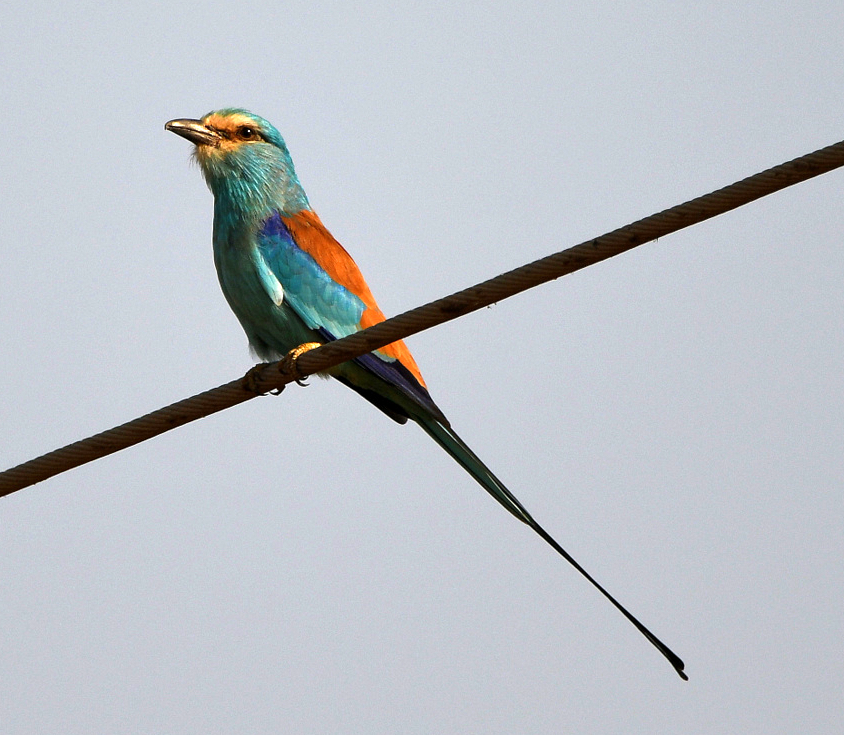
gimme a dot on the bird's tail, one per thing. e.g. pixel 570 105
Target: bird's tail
pixel 469 461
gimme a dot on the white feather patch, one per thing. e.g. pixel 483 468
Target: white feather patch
pixel 270 283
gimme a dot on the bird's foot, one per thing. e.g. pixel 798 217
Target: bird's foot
pixel 288 365
pixel 252 381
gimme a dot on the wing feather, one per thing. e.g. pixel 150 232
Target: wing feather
pixel 323 285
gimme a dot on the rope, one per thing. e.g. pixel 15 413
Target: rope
pixel 272 376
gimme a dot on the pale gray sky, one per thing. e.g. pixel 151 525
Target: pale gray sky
pixel 303 565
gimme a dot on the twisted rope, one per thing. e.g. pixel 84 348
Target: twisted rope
pixel 272 376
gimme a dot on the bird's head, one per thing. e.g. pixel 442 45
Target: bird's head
pixel 245 161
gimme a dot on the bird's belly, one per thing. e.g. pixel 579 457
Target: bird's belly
pixel 273 329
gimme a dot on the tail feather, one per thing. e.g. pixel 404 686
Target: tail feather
pixel 469 461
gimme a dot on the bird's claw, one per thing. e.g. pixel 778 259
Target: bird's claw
pixel 254 377
pixel 288 364
pixel 252 381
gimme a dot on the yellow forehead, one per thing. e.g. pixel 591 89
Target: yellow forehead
pixel 229 123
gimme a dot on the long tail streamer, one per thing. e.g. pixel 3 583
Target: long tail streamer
pixel 466 458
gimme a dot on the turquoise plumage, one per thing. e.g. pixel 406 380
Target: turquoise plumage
pixel 290 283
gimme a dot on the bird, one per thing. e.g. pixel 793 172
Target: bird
pixel 292 286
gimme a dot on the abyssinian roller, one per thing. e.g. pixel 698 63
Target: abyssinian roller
pixel 290 283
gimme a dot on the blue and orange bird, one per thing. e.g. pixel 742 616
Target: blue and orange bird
pixel 290 283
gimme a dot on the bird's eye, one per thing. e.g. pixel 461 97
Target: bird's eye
pixel 244 132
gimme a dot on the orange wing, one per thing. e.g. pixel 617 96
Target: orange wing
pixel 313 237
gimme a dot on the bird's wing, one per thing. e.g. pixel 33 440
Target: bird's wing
pixel 325 288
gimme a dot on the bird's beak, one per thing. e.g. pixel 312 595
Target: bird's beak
pixel 194 131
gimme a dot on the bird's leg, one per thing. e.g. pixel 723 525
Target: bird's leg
pixel 252 380
pixel 288 366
